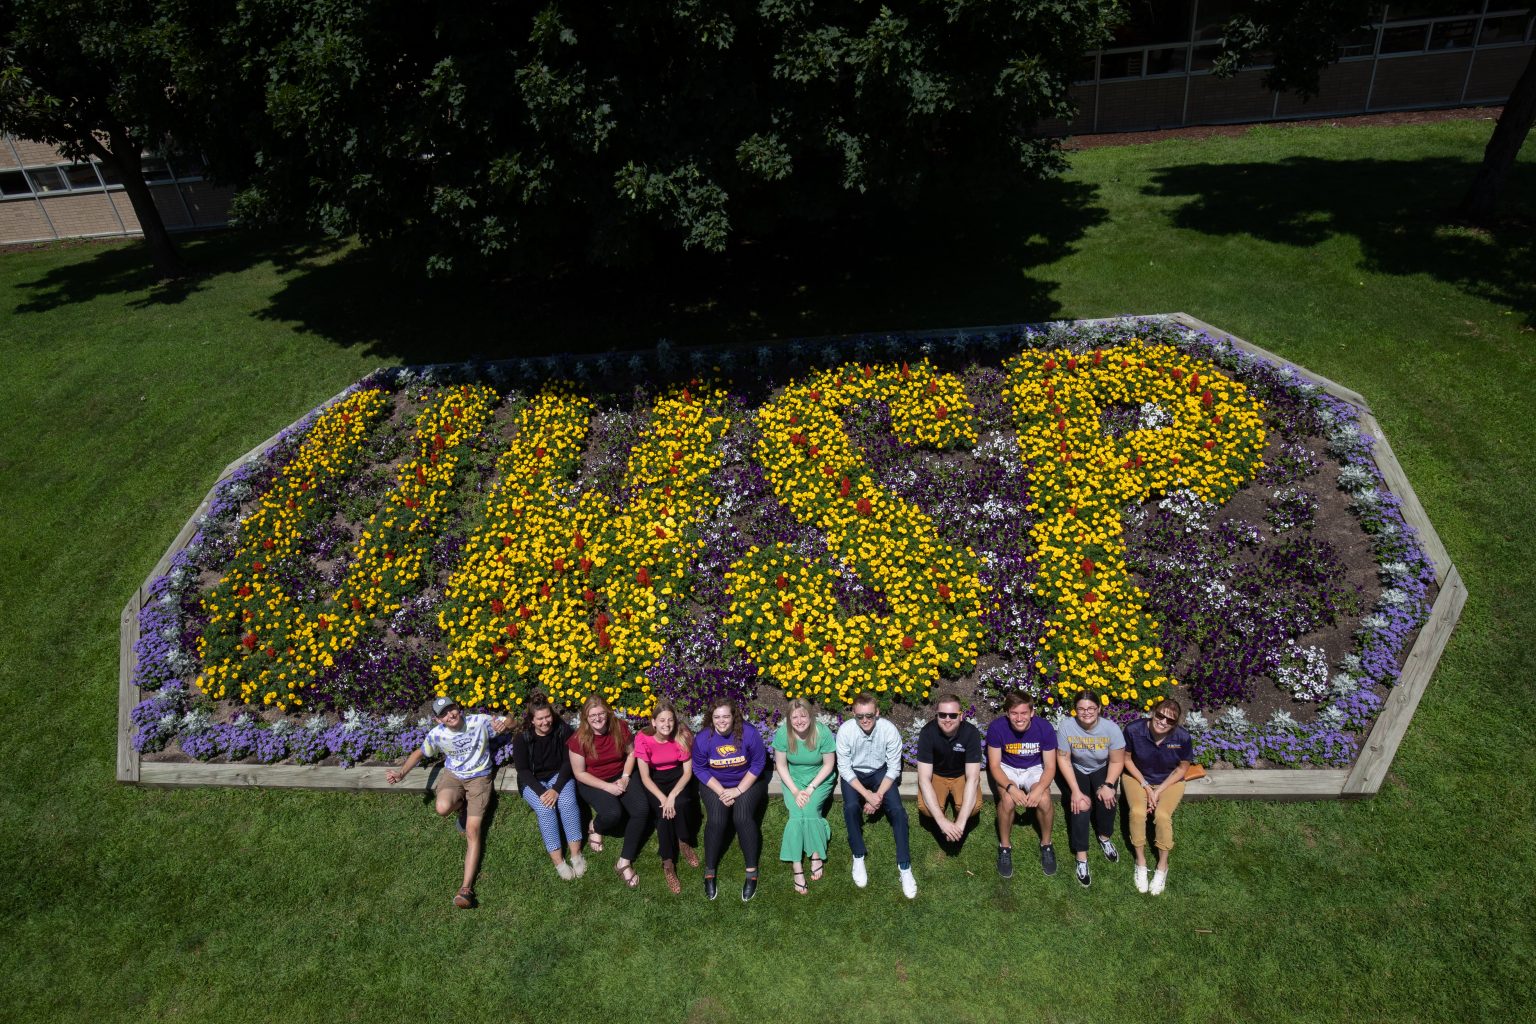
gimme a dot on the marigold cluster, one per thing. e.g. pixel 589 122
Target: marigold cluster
pixel 567 592
pixel 1097 634
pixel 784 612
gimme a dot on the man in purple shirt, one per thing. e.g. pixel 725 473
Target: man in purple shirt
pixel 1021 761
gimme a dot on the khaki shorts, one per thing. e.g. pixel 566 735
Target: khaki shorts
pixel 476 792
pixel 946 791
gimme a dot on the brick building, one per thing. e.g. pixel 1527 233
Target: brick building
pixel 1415 55
pixel 44 196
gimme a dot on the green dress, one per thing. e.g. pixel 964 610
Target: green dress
pixel 807 831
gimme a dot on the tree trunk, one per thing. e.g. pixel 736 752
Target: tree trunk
pixel 1508 136
pixel 126 155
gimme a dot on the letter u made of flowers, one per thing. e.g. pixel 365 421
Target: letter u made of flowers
pixel 263 641
pixel 1097 635
pixel 566 591
pixel 784 611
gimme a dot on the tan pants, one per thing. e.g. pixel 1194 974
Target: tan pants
pixel 947 791
pixel 1136 804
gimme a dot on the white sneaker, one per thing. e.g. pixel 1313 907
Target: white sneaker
pixel 578 866
pixel 908 883
pixel 1159 880
pixel 860 876
pixel 1141 878
pixel 565 871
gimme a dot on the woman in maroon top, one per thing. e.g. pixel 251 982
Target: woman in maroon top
pixel 602 761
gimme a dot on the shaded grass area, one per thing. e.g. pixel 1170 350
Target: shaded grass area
pixel 1321 244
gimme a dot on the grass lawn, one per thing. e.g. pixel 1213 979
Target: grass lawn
pixel 1319 243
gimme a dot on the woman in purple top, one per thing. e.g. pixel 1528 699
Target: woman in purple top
pixel 1158 755
pixel 728 760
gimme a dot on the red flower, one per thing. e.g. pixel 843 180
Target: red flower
pixel 1098 357
pixel 798 631
pixel 1090 597
pixel 559 564
pixel 527 613
pixel 357 604
pixel 268 544
pixel 585 564
pixel 789 607
pixel 815 450
pixel 933 387
pixel 512 630
pixel 1093 627
pixel 941 412
pixel 828 470
pixel 244 591
pixel 602 620
pixel 815 395
pixel 421 474
pixel 589 595
pixel 1176 373
pixel 322 622
pixel 1206 399
pixel 544 590
pixel 687 396
pixel 869 652
pixel 844 487
pixel 794 418
pixel 538 452
pixel 798 438
pixel 907 643
pixel 1087 567
pixel 257 566
pixel 438 442
pixel 944 591
pixel 1071 363
pixel 643 576
pixel 864 507
pixel 496 606
pixel 830 649
pixel 781 582
pixel 660 532
pixel 579 541
pixel 1099 655
pixel 1210 443
pixel 906 374
pixel 506 541
pixel 249 640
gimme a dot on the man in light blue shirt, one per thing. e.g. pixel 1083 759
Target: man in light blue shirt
pixel 869 764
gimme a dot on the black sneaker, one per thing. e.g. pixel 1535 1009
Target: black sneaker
pixel 1005 861
pixel 1082 874
pixel 1048 859
pixel 749 888
pixel 1107 847
pixel 711 890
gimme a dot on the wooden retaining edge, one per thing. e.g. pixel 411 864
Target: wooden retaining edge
pixel 1391 725
pixel 1237 784
pixel 1364 779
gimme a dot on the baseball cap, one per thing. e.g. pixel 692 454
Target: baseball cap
pixel 441 705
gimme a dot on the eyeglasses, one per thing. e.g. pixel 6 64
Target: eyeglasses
pixel 1165 718
pixel 949 715
pixel 868 716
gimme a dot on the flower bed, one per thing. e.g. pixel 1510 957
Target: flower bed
pixel 1130 507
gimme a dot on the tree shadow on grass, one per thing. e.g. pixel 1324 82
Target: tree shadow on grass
pixel 119 269
pixel 1399 210
pixel 955 267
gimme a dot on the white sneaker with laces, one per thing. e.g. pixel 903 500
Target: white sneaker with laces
pixel 860 876
pixel 908 883
pixel 1141 878
pixel 1159 881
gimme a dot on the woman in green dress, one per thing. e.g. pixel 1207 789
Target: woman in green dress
pixel 805 755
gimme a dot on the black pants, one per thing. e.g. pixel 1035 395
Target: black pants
pixel 686 825
pixel 1100 817
pixel 609 811
pixel 742 814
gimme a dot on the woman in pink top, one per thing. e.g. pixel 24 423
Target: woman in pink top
pixel 663 751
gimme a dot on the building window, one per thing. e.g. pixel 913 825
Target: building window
pixel 14 183
pixel 1504 29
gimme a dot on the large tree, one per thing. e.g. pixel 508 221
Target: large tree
pixel 517 134
pixel 1300 38
pixel 94 78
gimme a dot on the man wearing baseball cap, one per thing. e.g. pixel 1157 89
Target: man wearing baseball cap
pixel 464 787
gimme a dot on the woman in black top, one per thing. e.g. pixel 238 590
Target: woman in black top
pixel 544 779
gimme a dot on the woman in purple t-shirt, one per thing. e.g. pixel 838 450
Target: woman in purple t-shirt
pixel 1158 755
pixel 728 759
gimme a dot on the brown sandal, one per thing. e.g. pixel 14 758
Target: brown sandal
pixel 464 899
pixel 669 872
pixel 627 872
